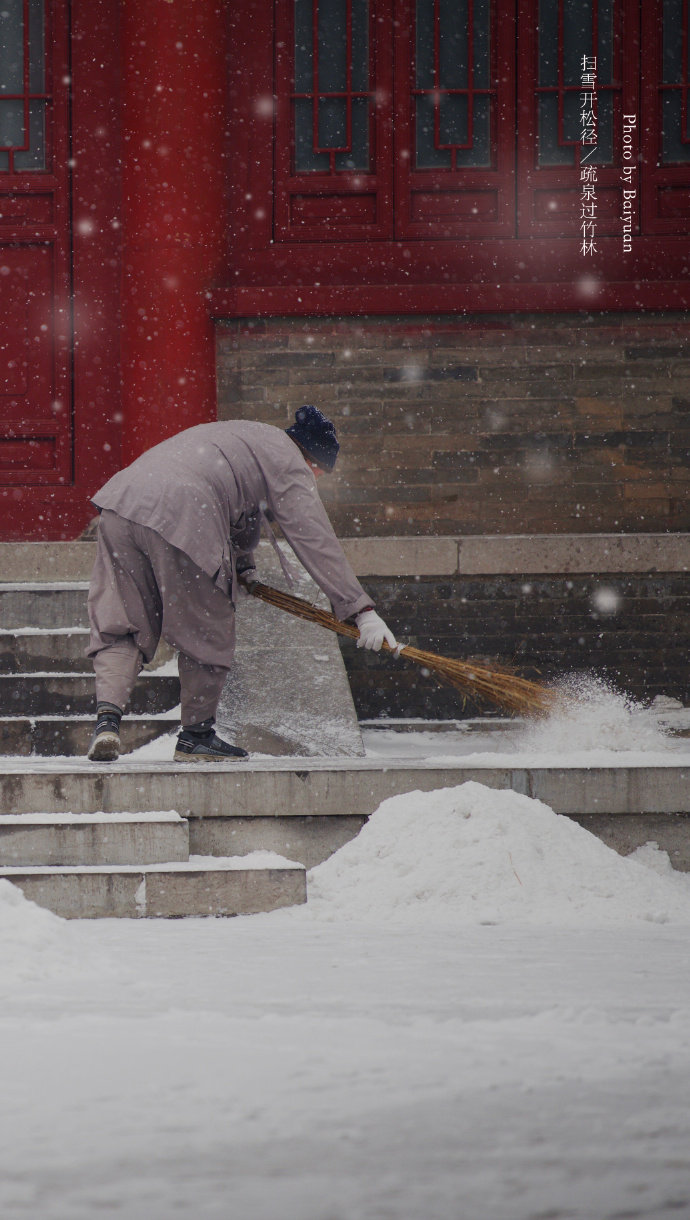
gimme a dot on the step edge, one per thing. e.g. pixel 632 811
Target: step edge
pixel 195 864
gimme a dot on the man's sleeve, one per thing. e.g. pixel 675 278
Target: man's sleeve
pixel 298 509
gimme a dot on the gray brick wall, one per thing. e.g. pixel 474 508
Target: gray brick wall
pixel 497 424
pixel 545 626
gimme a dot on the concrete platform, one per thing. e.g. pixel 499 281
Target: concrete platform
pixel 61 839
pixel 308 809
pixel 198 887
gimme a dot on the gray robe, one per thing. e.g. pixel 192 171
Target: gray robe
pixel 203 491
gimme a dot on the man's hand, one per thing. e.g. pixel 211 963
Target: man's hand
pixel 373 631
pixel 245 580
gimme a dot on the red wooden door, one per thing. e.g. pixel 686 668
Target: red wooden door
pixel 35 333
pixel 398 153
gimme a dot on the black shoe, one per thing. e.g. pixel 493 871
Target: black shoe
pixel 105 743
pixel 206 747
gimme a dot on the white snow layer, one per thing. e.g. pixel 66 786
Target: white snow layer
pixel 472 854
pixel 35 944
pixel 385 1054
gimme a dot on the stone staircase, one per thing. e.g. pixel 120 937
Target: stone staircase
pixel 47 696
pixel 86 864
pixel 85 839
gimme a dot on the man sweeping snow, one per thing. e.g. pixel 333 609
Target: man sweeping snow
pixel 177 529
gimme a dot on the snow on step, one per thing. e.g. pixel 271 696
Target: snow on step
pixel 200 886
pixel 64 839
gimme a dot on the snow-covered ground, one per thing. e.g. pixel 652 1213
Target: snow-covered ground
pixel 482 1014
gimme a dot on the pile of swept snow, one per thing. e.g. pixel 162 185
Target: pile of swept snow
pixel 591 717
pixel 34 943
pixel 472 854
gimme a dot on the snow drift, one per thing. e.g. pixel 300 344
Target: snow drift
pixel 471 854
pixel 36 944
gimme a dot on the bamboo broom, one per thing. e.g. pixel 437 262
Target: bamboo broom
pixel 497 686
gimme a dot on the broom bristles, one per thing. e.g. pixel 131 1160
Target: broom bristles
pixel 497 686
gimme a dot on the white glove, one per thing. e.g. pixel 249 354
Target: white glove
pixel 373 631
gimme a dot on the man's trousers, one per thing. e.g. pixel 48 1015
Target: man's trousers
pixel 143 588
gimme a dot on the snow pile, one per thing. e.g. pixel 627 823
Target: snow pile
pixel 471 854
pixel 593 716
pixel 34 943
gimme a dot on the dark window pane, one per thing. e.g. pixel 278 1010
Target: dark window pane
pixel 674 149
pixel 424 45
pixel 605 42
pixel 12 46
pixel 480 152
pixel 35 157
pixel 304 66
pixel 332 122
pixel 306 160
pixel 428 156
pixel 604 153
pixel 358 158
pixel 332 26
pixel 672 62
pixel 482 44
pixel 550 151
pixel 453 44
pixel 36 46
pixel 360 45
pixel 11 124
pixel 453 109
pixel 577 38
pixel 572 120
pixel 548 42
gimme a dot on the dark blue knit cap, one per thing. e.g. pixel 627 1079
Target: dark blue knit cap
pixel 316 435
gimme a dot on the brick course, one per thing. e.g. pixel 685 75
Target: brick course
pixel 546 626
pixel 514 424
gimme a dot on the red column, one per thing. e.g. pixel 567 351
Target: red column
pixel 174 90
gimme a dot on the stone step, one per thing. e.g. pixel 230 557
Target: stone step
pixel 60 650
pixel 74 695
pixel 240 885
pixel 307 808
pixel 69 839
pixel 40 605
pixel 35 649
pixel 58 736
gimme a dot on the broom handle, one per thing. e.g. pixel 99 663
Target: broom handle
pixel 304 609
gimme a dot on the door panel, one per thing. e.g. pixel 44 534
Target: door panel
pixel 36 419
pixel 570 53
pixel 666 132
pixel 454 119
pixel 333 121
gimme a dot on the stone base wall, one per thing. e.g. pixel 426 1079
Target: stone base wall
pixel 482 424
pixel 630 629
